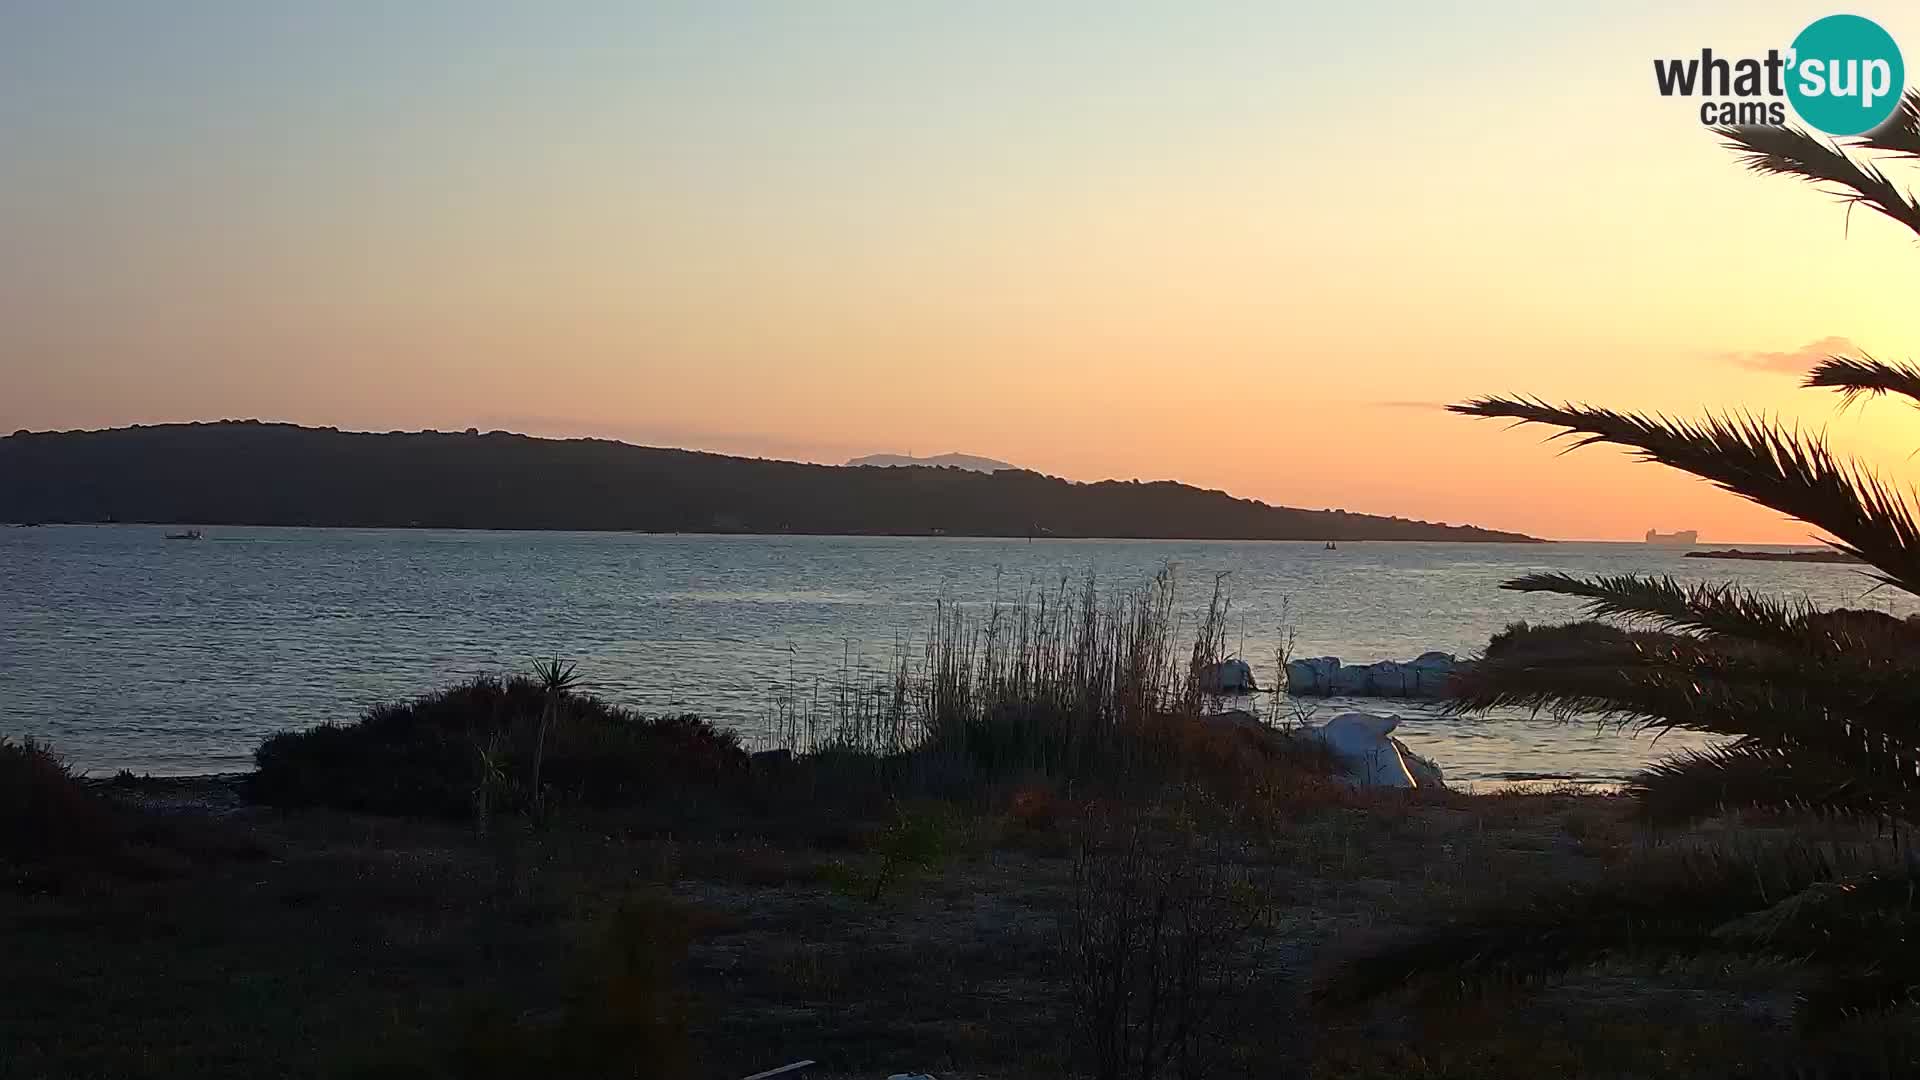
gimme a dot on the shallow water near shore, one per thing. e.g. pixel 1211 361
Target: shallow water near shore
pixel 125 650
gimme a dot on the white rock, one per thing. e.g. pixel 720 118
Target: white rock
pixel 1425 676
pixel 1227 677
pixel 1349 679
pixel 1426 772
pixel 1369 757
pixel 1391 678
pixel 1313 676
pixel 1431 672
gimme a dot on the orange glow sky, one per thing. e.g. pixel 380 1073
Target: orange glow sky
pixel 1250 248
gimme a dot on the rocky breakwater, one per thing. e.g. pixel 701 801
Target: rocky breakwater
pixel 1425 676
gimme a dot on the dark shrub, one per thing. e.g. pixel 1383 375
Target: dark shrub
pixel 1520 638
pixel 626 1014
pixel 1162 945
pixel 435 754
pixel 44 811
pixel 61 833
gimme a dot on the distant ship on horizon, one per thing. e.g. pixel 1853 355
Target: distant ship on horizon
pixel 1684 538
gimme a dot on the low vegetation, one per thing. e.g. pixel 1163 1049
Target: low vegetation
pixel 622 1012
pixel 1068 686
pixel 45 813
pixel 514 744
pixel 64 836
pixel 1029 930
pixel 1521 639
pixel 1165 945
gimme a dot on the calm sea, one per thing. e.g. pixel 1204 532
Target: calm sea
pixel 124 649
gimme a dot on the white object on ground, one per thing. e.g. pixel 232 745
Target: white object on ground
pixel 1367 754
pixel 1426 772
pixel 1371 759
pixel 1227 677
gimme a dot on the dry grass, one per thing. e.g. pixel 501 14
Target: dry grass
pixel 365 933
pixel 1067 683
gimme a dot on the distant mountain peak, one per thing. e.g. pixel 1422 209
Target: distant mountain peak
pixel 955 461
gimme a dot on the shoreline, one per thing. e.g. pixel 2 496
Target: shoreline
pixel 1316 541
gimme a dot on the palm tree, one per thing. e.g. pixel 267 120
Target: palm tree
pixel 1817 712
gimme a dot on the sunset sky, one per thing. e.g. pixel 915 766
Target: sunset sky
pixel 1247 246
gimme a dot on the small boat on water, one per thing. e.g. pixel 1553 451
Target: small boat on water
pixel 190 534
pixel 1331 546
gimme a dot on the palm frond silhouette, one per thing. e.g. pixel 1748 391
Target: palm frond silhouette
pixel 1817 712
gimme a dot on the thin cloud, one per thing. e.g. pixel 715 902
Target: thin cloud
pixel 1794 361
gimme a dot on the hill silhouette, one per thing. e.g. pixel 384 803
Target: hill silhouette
pixel 958 461
pixel 253 473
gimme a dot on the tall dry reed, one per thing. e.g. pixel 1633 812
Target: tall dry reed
pixel 1059 681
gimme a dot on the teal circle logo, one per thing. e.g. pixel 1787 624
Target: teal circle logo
pixel 1845 75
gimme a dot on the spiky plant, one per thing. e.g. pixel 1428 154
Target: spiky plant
pixel 558 678
pixel 1816 712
